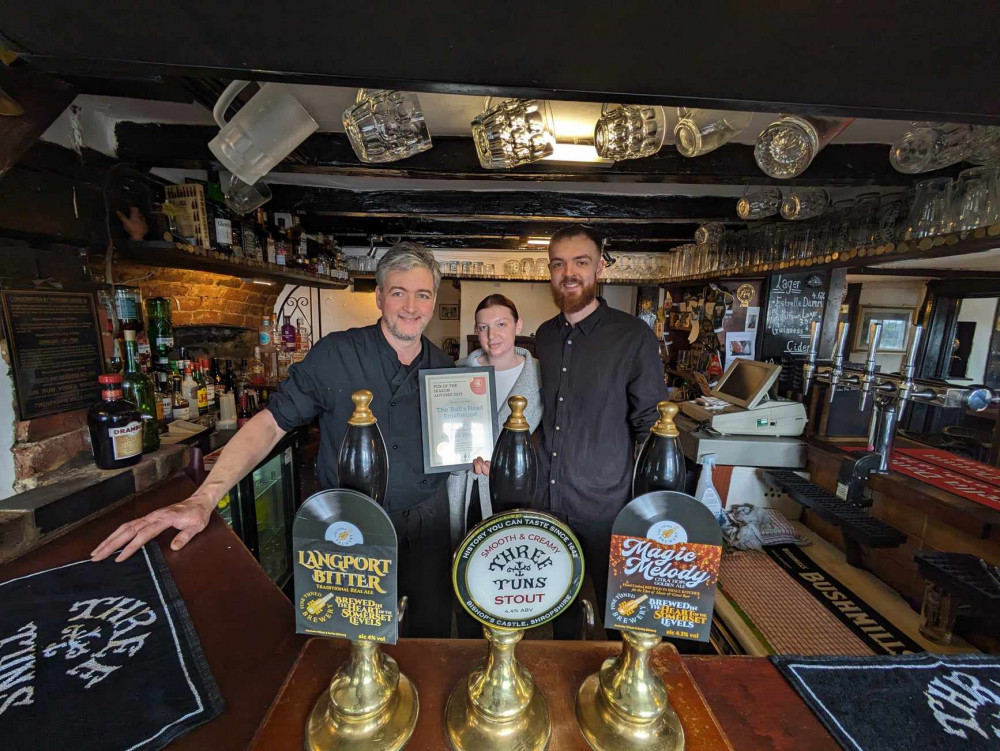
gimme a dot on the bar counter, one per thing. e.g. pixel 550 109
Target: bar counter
pixel 246 627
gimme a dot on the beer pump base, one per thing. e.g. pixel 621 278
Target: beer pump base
pixel 385 729
pixel 606 730
pixel 624 705
pixel 470 730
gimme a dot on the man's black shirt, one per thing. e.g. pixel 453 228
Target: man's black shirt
pixel 321 385
pixel 601 381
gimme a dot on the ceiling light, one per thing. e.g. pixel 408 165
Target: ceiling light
pixel 575 152
pixel 262 281
pixel 537 241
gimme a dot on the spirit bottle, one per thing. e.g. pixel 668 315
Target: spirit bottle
pixel 138 389
pixel 181 406
pixel 256 368
pixel 115 426
pixel 513 467
pixel 363 464
pixel 244 415
pixel 189 387
pixel 660 465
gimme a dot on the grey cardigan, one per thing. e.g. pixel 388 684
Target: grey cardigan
pixel 528 385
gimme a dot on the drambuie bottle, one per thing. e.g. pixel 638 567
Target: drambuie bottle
pixel 363 464
pixel 513 466
pixel 660 465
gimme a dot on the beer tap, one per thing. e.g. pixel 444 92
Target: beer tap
pixel 908 371
pixel 892 392
pixel 868 379
pixel 837 372
pixel 809 366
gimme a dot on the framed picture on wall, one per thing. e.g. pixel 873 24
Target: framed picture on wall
pixel 448 312
pixel 895 327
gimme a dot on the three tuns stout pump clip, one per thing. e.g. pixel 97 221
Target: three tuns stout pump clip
pixel 517 569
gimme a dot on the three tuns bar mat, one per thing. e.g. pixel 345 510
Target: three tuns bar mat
pixel 100 656
pixel 929 702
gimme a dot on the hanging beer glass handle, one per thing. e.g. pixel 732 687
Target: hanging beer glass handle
pixel 226 99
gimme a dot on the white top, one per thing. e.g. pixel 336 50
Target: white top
pixel 505 380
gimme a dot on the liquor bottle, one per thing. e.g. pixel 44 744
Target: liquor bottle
pixel 218 379
pixel 206 377
pixel 181 406
pixel 165 394
pixel 138 389
pixel 660 465
pixel 513 466
pixel 298 334
pixel 202 392
pixel 264 335
pixel 189 388
pixel 256 368
pixel 288 335
pixel 115 426
pixel 363 464
pixel 229 377
pixel 244 414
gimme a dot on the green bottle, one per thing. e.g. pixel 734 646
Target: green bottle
pixel 138 389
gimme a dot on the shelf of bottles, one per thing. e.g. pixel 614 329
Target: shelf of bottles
pixel 183 256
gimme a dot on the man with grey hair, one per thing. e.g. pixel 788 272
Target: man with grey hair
pixel 383 358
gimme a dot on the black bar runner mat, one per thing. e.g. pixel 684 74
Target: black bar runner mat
pixel 929 702
pixel 100 656
pixel 878 633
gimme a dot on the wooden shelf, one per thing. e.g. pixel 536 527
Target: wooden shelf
pixel 977 241
pixel 181 256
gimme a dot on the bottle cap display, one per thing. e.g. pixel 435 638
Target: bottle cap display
pixel 517 421
pixel 362 413
pixel 665 425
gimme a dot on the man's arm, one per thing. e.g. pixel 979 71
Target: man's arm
pixel 645 386
pixel 246 449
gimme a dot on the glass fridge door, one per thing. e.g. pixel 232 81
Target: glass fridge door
pixel 271 491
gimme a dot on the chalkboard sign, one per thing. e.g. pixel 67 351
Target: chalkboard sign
pixel 55 350
pixel 794 301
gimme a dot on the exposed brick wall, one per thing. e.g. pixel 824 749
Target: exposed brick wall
pixel 199 298
pixel 47 443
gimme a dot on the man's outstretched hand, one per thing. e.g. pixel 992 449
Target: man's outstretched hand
pixel 189 517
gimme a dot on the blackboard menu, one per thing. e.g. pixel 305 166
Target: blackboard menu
pixel 794 301
pixel 55 350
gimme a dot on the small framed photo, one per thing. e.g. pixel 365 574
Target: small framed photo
pixel 895 327
pixel 448 312
pixel 458 416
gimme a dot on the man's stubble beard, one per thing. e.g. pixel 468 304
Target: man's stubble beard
pixel 569 303
pixel 394 330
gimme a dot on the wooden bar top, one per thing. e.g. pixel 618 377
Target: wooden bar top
pixel 245 624
pixel 754 706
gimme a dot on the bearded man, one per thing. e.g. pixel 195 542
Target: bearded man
pixel 601 380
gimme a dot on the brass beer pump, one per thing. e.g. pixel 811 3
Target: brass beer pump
pixel 625 705
pixel 370 704
pixel 497 707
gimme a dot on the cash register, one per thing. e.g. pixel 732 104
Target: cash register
pixel 739 404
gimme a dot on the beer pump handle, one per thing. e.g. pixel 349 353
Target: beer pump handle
pixel 838 359
pixel 874 334
pixel 910 361
pixel 809 366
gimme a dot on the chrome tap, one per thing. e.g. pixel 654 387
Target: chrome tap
pixel 868 379
pixel 838 359
pixel 908 371
pixel 809 366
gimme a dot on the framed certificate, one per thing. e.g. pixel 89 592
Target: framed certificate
pixel 458 413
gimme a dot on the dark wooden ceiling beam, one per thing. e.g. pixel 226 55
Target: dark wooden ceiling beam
pixel 43 99
pixel 524 206
pixel 847 165
pixel 935 61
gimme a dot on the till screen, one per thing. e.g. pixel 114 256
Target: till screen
pixel 744 381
